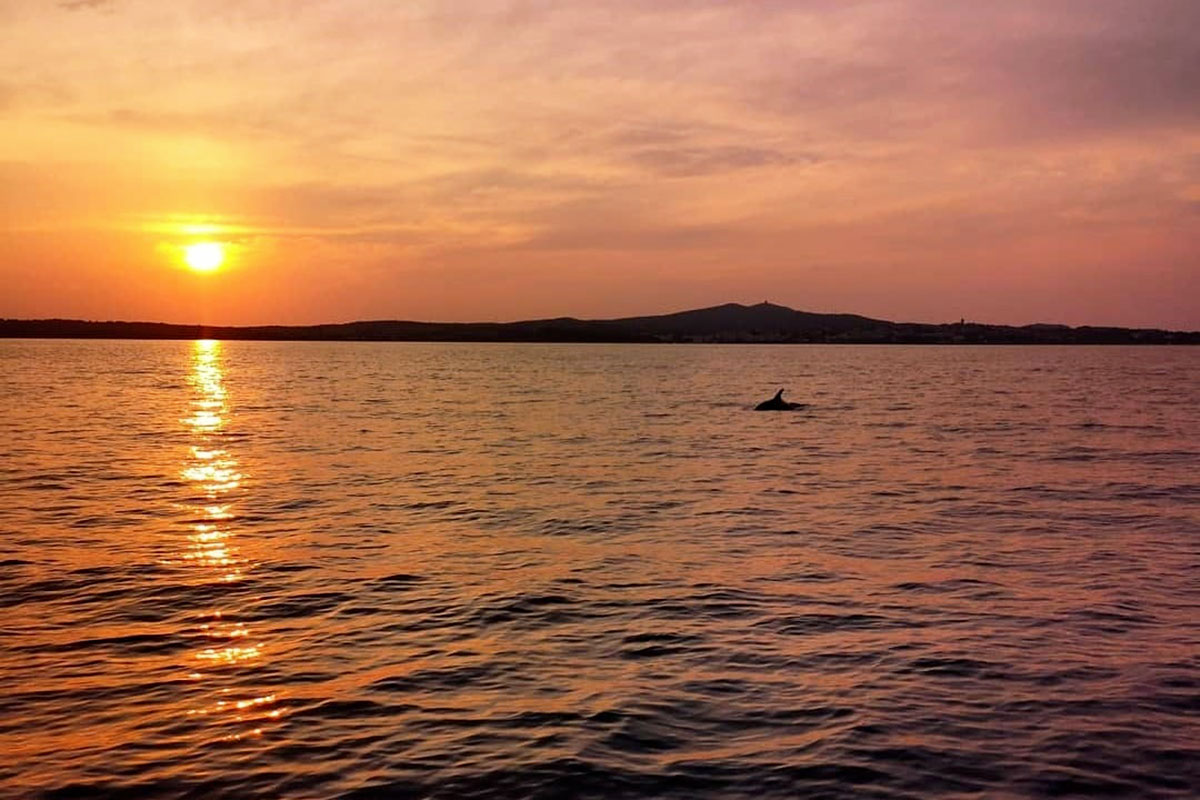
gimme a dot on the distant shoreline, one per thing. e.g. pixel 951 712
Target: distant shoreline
pixel 841 342
pixel 731 323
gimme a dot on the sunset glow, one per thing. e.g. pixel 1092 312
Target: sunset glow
pixel 600 398
pixel 204 256
pixel 1006 162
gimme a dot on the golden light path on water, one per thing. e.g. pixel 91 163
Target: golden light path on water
pixel 255 571
pixel 211 550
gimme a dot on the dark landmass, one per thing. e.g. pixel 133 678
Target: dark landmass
pixel 763 323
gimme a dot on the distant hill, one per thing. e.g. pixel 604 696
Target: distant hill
pixel 761 319
pixel 762 323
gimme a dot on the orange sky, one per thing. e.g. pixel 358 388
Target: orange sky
pixel 1018 161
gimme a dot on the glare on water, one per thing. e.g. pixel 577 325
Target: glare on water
pixel 309 570
pixel 212 550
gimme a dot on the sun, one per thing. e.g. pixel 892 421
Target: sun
pixel 204 256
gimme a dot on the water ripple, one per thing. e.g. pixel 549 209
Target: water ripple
pixel 260 570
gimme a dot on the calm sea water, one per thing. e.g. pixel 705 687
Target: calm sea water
pixel 267 570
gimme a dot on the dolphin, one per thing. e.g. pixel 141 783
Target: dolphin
pixel 777 403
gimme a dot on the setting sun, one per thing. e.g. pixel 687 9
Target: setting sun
pixel 204 256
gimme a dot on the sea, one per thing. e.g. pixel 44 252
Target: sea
pixel 406 570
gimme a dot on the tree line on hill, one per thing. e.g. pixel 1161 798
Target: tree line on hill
pixel 764 323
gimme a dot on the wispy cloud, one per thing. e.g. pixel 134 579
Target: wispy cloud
pixel 696 135
pixel 76 5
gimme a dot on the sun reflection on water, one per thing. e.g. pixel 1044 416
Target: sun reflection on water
pixel 214 475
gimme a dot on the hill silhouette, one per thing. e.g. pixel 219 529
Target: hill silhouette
pixel 729 323
pixel 734 317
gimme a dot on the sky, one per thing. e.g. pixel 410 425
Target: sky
pixel 1011 162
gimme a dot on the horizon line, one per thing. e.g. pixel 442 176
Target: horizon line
pixel 566 318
